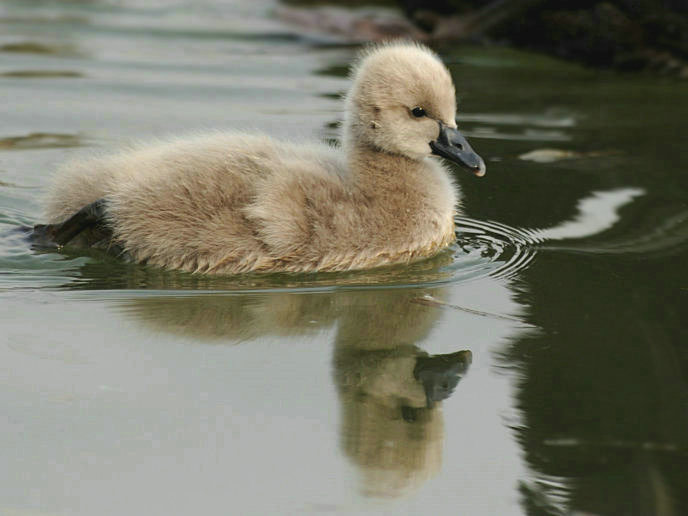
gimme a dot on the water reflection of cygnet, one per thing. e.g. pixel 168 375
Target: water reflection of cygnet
pixel 390 390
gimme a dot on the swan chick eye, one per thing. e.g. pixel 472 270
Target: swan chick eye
pixel 418 112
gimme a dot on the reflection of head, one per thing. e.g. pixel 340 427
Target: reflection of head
pixel 440 374
pixel 392 426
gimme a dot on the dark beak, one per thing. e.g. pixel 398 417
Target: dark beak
pixel 451 145
pixel 440 374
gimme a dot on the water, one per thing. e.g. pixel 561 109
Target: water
pixel 560 311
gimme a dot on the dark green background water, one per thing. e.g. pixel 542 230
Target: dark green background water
pixel 129 390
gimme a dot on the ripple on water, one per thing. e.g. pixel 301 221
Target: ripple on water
pixel 503 251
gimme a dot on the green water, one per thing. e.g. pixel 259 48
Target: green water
pixel 562 308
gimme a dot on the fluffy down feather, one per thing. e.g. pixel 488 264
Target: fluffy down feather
pixel 228 202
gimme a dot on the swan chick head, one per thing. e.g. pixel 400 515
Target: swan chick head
pixel 402 98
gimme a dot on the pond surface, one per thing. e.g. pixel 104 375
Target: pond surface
pixel 539 366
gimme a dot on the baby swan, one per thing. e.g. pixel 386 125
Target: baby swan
pixel 233 203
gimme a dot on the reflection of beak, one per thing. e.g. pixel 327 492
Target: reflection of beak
pixel 451 144
pixel 440 374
